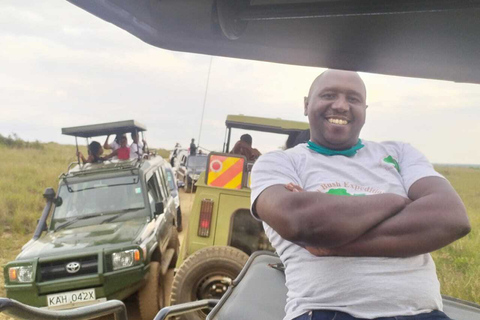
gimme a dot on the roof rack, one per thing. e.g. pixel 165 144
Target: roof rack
pixel 109 166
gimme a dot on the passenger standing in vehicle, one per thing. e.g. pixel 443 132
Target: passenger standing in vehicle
pixel 137 148
pixel 123 153
pixel 115 143
pixel 243 147
pixel 193 148
pixel 95 151
pixel 352 220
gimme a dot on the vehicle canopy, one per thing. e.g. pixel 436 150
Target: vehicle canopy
pixel 104 129
pixel 262 124
pixel 414 38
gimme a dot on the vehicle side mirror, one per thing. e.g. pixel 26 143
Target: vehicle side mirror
pixel 159 208
pixel 58 201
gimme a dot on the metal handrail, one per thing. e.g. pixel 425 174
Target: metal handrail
pixel 183 308
pixel 16 309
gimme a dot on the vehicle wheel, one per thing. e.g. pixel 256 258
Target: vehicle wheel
pixel 179 220
pixel 206 274
pixel 151 294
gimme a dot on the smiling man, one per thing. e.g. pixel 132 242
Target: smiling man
pixel 354 221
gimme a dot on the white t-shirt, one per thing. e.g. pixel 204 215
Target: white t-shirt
pixel 136 150
pixel 364 287
pixel 114 145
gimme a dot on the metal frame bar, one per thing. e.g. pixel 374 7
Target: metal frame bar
pixel 19 310
pixel 351 8
pixel 180 309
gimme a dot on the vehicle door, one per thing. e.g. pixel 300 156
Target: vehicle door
pixel 170 210
pixel 158 203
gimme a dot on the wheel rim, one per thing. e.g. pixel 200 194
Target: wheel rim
pixel 213 286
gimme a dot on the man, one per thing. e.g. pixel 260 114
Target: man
pixel 243 147
pixel 354 221
pixel 193 148
pixel 137 148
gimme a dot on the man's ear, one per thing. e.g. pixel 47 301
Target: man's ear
pixel 305 106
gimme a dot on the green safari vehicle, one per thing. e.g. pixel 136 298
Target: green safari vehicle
pixel 222 234
pixel 108 233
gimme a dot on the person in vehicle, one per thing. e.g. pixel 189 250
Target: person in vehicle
pixel 122 153
pixel 354 221
pixel 243 147
pixel 193 148
pixel 115 143
pixel 137 148
pixel 95 151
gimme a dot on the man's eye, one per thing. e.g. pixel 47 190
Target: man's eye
pixel 328 96
pixel 353 100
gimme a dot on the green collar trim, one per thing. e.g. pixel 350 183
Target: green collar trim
pixel 329 152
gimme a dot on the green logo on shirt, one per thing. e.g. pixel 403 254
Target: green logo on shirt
pixel 391 160
pixel 342 192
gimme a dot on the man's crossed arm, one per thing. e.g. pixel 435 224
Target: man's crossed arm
pixel 377 225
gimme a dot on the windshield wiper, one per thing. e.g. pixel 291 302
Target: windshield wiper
pixel 120 213
pixel 69 222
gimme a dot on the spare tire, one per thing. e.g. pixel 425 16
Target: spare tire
pixel 206 274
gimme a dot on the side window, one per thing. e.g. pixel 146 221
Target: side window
pixel 153 189
pixel 162 183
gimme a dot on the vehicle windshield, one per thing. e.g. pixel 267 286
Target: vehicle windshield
pixel 103 196
pixel 197 162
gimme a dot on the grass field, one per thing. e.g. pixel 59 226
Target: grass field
pixel 26 170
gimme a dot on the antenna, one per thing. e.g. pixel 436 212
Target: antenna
pixel 204 102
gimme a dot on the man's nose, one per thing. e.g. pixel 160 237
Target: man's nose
pixel 341 104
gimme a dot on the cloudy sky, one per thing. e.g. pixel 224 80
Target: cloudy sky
pixel 61 66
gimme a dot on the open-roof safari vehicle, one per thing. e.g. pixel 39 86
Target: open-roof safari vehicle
pixel 110 233
pixel 414 38
pixel 222 233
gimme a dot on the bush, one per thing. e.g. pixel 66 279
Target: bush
pixel 14 141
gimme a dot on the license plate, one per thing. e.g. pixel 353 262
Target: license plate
pixel 71 297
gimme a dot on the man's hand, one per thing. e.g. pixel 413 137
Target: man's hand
pixel 293 187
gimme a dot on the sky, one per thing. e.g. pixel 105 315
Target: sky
pixel 60 66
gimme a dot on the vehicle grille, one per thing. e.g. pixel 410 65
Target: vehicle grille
pixel 58 269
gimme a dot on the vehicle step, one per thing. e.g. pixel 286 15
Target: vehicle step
pixel 166 259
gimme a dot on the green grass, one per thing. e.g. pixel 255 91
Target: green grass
pixel 26 171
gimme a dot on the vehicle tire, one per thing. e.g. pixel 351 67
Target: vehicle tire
pixel 206 274
pixel 151 294
pixel 179 220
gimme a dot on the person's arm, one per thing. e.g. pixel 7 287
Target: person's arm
pixel 80 155
pixel 111 155
pixel 435 218
pixel 324 220
pixel 106 145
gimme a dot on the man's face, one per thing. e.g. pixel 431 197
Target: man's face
pixel 336 109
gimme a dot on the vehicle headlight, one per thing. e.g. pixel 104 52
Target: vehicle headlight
pixel 124 259
pixel 21 274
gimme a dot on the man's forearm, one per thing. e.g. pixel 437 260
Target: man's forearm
pixel 427 224
pixel 317 219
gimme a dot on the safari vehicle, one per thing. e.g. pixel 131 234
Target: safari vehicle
pixel 111 232
pixel 222 233
pixel 190 172
pixel 173 186
pixel 413 38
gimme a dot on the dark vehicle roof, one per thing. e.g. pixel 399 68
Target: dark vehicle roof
pixel 416 38
pixel 265 124
pixel 103 129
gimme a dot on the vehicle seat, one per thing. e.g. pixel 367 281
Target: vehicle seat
pixel 258 292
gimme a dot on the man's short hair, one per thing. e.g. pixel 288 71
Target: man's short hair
pixel 246 138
